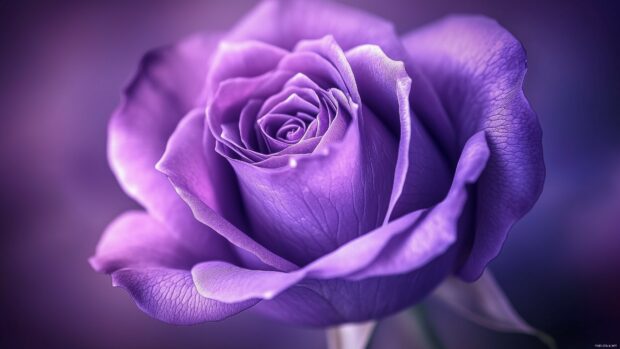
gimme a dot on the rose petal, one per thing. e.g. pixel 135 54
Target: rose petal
pixel 247 121
pixel 239 59
pixel 439 228
pixel 153 266
pixel 246 146
pixel 205 181
pixel 307 95
pixel 135 239
pixel 477 67
pixel 313 302
pixel 320 202
pixel 166 87
pixel 422 175
pixel 419 237
pixel 169 295
pixel 347 181
pixel 330 50
pixel 285 23
pixel 293 103
pixel 229 103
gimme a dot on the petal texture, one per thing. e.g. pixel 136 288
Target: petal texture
pixel 148 261
pixel 477 69
pixel 414 249
pixel 169 295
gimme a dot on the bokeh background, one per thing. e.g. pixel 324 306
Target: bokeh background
pixel 63 65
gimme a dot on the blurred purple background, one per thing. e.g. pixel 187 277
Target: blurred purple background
pixel 63 65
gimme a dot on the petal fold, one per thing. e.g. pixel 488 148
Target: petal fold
pixel 404 245
pixel 194 170
pixel 422 175
pixel 238 59
pixel 166 87
pixel 150 262
pixel 135 239
pixel 477 68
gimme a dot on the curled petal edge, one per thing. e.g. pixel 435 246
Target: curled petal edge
pixel 425 234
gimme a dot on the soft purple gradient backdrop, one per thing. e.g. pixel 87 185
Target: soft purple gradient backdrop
pixel 62 68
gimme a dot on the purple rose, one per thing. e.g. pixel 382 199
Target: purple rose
pixel 325 171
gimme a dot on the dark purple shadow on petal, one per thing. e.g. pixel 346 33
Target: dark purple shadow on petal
pixel 439 228
pixel 478 68
pixel 425 175
pixel 404 245
pixel 331 302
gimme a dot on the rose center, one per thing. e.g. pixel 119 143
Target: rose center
pixel 284 128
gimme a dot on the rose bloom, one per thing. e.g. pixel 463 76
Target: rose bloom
pixel 317 166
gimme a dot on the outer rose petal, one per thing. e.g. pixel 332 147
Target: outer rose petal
pixel 135 239
pixel 285 23
pixel 323 303
pixel 478 67
pixel 153 266
pixel 167 86
pixel 439 227
pixel 233 60
pixel 413 250
pixel 169 295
